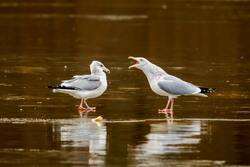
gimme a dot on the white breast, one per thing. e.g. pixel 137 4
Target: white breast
pixel 155 88
pixel 97 92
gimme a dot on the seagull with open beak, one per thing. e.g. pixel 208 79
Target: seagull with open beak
pixel 167 85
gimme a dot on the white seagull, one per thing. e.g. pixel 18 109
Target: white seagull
pixel 85 86
pixel 165 84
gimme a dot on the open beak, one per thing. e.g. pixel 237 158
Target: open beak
pixel 136 62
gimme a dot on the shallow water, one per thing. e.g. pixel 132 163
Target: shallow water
pixel 204 42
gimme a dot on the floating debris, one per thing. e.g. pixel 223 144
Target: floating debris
pixel 97 119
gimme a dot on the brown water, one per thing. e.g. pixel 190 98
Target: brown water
pixel 204 42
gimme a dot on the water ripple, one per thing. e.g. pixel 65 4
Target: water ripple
pixel 107 17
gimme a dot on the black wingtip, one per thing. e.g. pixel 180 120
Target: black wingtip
pixel 207 90
pixel 52 87
pixel 62 87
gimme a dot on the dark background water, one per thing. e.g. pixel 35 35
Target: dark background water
pixel 204 42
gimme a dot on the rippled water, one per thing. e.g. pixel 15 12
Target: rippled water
pixel 44 42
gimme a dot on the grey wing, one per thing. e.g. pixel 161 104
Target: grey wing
pixel 178 87
pixel 86 82
pixel 91 77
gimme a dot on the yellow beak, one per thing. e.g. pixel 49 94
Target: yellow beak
pixel 133 58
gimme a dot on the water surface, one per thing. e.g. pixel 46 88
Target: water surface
pixel 203 42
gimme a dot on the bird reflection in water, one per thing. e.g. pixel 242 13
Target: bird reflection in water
pixel 170 120
pixel 99 121
pixel 85 139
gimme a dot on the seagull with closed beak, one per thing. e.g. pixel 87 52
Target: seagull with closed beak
pixel 165 84
pixel 85 86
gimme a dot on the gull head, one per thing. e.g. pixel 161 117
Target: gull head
pixel 140 62
pixel 97 67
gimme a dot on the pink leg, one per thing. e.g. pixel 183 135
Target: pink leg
pixel 172 105
pixel 165 110
pixel 172 108
pixel 168 103
pixel 80 106
pixel 168 111
pixel 83 109
pixel 89 108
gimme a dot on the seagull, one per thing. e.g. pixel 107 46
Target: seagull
pixel 167 85
pixel 85 86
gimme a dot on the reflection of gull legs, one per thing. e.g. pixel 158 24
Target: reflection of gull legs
pixel 168 110
pixel 84 113
pixel 170 120
pixel 88 108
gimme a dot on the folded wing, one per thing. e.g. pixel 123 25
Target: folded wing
pixel 84 83
pixel 176 86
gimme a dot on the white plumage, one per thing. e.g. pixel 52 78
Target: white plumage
pixel 167 85
pixel 85 86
